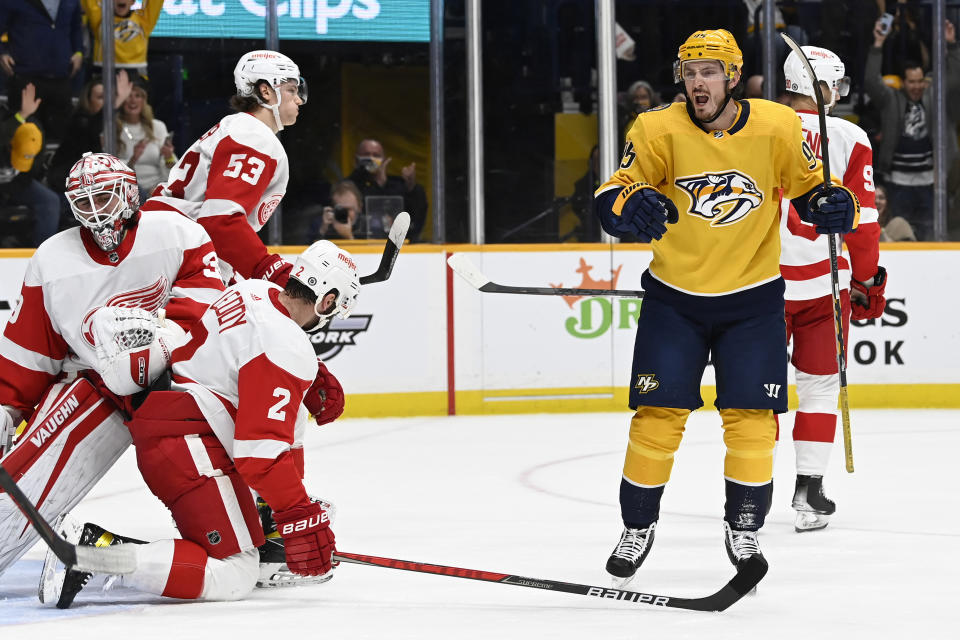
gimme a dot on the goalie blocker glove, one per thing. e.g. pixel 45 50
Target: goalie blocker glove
pixel 307 539
pixel 324 399
pixel 832 209
pixel 866 298
pixel 638 209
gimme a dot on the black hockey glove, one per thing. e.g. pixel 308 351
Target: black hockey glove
pixel 833 209
pixel 644 212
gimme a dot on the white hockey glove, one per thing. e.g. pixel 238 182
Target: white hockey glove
pixel 133 347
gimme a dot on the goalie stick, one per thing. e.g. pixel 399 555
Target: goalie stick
pixel 464 268
pixel 749 573
pixel 120 560
pixel 834 269
pixel 398 233
pixel 111 560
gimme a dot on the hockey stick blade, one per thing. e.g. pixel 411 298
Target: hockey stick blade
pixel 463 267
pixel 398 233
pixel 749 573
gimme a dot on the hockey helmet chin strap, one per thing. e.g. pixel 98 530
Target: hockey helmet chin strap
pixel 274 108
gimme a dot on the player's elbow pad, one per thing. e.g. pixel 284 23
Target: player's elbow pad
pixel 603 209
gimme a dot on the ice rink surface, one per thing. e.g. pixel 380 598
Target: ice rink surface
pixel 536 495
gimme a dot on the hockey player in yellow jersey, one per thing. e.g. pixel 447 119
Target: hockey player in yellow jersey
pixel 699 180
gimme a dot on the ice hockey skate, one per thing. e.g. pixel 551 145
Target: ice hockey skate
pixel 740 544
pixel 60 584
pixel 812 506
pixel 273 560
pixel 629 554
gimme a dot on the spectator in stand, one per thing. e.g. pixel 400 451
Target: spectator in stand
pixel 905 40
pixel 143 141
pixel 131 31
pixel 753 87
pixel 640 97
pixel 44 48
pixel 893 228
pixel 22 139
pixel 85 127
pixel 339 220
pixel 370 176
pixel 905 149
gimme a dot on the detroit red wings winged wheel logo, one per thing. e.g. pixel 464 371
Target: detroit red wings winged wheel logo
pixel 152 298
pixel 267 208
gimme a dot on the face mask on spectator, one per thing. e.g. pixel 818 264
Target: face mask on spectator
pixel 370 163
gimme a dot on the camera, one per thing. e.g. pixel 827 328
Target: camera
pixel 886 22
pixel 341 214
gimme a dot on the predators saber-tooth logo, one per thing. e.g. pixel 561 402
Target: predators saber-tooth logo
pixel 722 198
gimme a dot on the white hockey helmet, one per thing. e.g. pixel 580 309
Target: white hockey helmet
pixel 828 67
pixel 323 268
pixel 271 67
pixel 103 194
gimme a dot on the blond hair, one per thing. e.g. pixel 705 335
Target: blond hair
pixel 146 119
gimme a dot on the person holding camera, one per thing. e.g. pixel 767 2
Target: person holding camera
pixel 337 221
pixel 370 176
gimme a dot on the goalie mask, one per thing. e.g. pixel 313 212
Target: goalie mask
pixel 828 68
pixel 273 68
pixel 326 268
pixel 103 195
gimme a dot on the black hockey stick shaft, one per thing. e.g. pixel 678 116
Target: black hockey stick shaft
pixel 748 575
pixel 66 552
pixel 398 233
pixel 834 267
pixel 463 267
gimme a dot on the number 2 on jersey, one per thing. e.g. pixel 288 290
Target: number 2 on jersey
pixel 276 412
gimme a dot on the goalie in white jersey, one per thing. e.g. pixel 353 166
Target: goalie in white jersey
pixel 74 387
pixel 231 423
pixel 232 179
pixel 805 266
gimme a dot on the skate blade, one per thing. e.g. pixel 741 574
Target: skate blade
pixel 809 521
pixel 277 575
pixel 53 573
pixel 621 583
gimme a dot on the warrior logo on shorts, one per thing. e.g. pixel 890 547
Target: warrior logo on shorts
pixel 722 198
pixel 646 382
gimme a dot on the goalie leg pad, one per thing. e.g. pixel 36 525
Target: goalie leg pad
pixel 73 439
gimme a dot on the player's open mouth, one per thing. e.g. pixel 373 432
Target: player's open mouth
pixel 700 100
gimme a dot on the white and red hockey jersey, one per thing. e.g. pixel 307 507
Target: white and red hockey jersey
pixel 805 254
pixel 230 181
pixel 247 364
pixel 164 261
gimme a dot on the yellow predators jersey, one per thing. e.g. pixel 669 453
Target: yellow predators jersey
pixel 131 33
pixel 725 185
